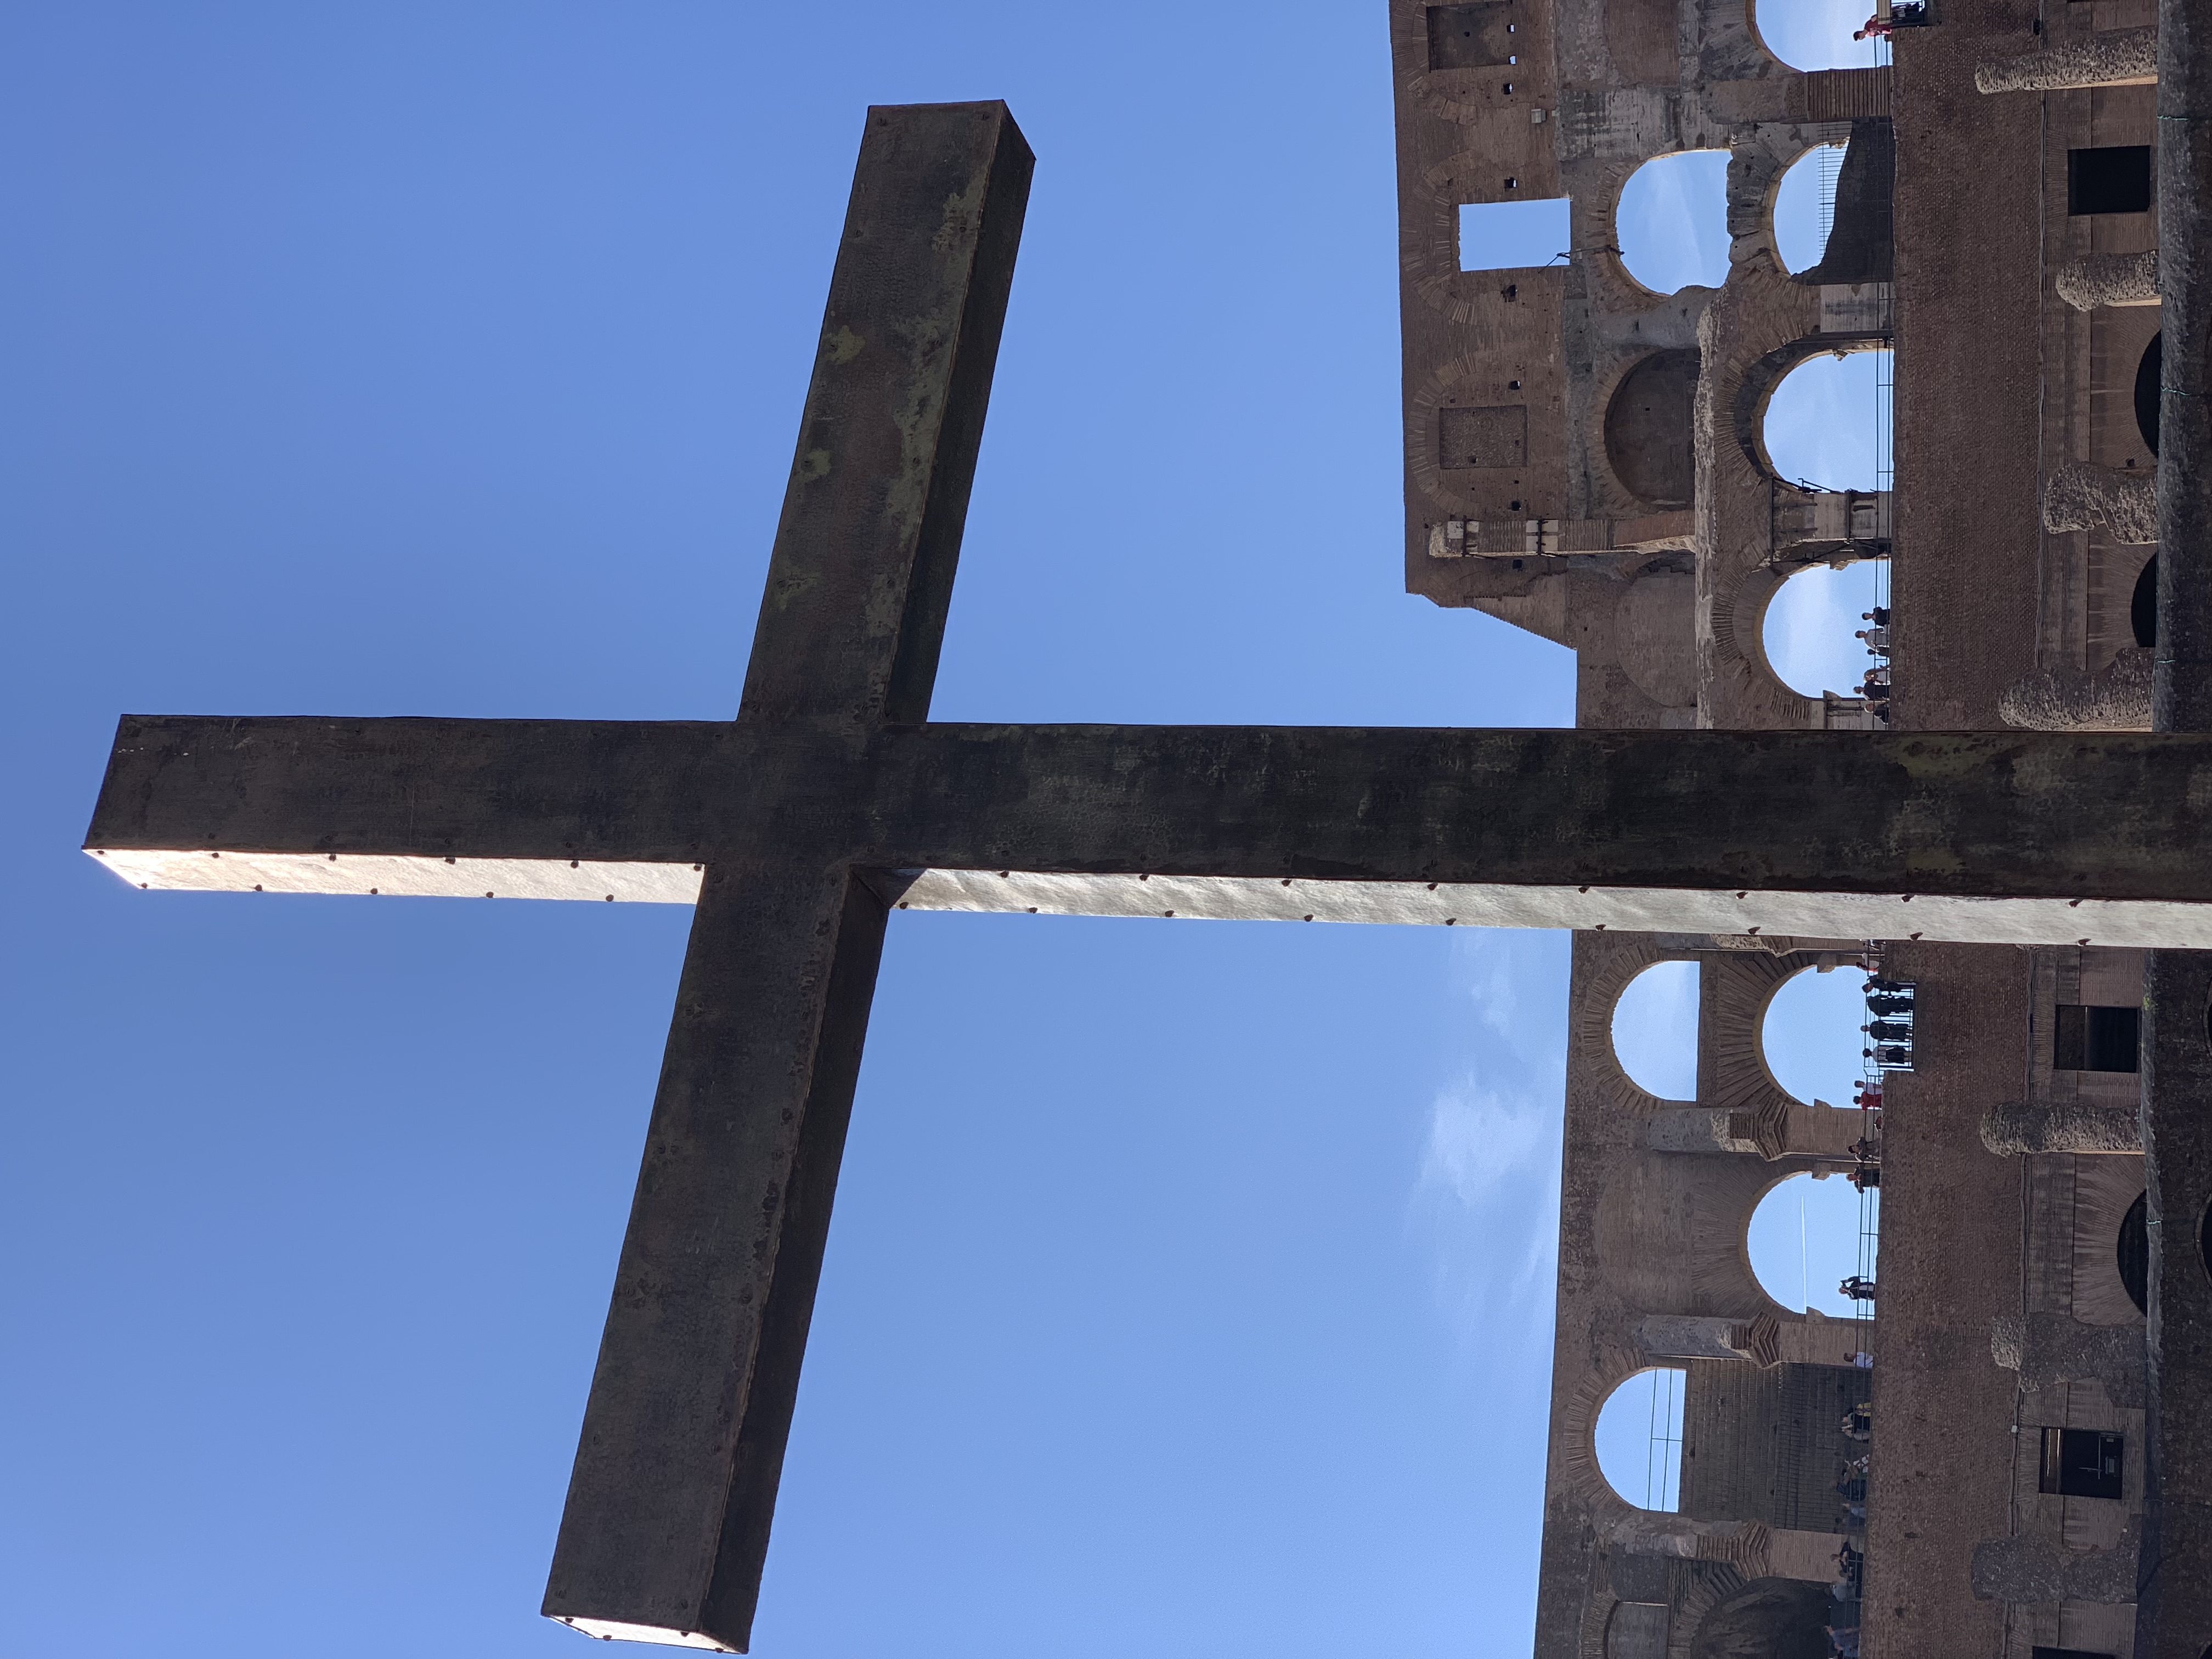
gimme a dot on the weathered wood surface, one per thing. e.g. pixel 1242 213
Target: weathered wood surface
pixel 2101 814
pixel 667 1526
pixel 2173 1601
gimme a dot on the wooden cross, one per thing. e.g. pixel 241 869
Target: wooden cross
pixel 830 800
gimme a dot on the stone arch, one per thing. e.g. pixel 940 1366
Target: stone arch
pixel 1674 159
pixel 1647 327
pixel 1766 1619
pixel 1782 1310
pixel 1669 1230
pixel 1787 165
pixel 2143 605
pixel 2132 1251
pixel 1744 986
pixel 1574 1467
pixel 2150 375
pixel 1590 1022
pixel 1659 1062
pixel 1737 630
pixel 1649 426
pixel 1670 1375
pixel 1794 971
pixel 1759 38
pixel 1755 390
pixel 1654 637
pixel 1638 1630
pixel 2105 1189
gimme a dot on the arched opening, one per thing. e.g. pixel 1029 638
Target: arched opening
pixel 1649 430
pixel 2150 373
pixel 2204 1243
pixel 1672 223
pixel 1812 1035
pixel 1808 1235
pixel 2133 1249
pixel 1811 629
pixel 1827 424
pixel 1771 1619
pixel 1804 207
pixel 2142 606
pixel 1816 35
pixel 1655 1030
pixel 1638 1439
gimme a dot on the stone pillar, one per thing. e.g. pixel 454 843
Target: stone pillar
pixel 2120 57
pixel 1696 1336
pixel 2113 698
pixel 1704 1129
pixel 2173 1613
pixel 2078 497
pixel 1754 1550
pixel 2044 1570
pixel 1777 1129
pixel 1815 1340
pixel 2109 279
pixel 2016 1126
pixel 2051 1349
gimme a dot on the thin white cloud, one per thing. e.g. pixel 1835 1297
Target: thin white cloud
pixel 1487 1194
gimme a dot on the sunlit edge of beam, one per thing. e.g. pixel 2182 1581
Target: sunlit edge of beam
pixel 2128 923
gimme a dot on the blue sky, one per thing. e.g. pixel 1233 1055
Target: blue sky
pixel 1189 1290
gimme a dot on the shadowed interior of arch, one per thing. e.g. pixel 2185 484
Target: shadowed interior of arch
pixel 1655 1030
pixel 1804 1241
pixel 1672 223
pixel 1638 1439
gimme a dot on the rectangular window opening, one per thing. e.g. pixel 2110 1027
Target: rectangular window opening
pixel 2082 1463
pixel 2096 1039
pixel 1515 236
pixel 2113 178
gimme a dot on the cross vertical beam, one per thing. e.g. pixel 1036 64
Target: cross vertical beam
pixel 2173 1597
pixel 666 1526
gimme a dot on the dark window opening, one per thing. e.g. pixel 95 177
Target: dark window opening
pixel 2095 1039
pixel 2081 1463
pixel 2204 1240
pixel 2114 178
pixel 2149 372
pixel 2143 608
pixel 2135 1253
pixel 1470 37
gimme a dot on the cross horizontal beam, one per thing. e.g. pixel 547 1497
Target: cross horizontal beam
pixel 2016 837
